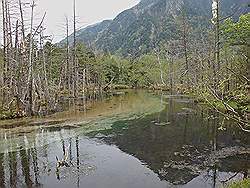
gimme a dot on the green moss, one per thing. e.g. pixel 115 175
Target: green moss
pixel 240 184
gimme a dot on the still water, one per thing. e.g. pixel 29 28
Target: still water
pixel 132 139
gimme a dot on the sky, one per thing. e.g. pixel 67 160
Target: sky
pixel 88 12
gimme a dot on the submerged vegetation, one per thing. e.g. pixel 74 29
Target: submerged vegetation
pixel 240 184
pixel 167 137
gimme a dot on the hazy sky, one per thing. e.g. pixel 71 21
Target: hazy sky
pixel 88 12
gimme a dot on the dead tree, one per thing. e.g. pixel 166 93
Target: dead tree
pixel 44 67
pixel 183 26
pixel 74 54
pixel 30 77
pixel 22 19
pixel 68 72
pixel 3 80
pixel 215 21
pixel 169 52
pixel 185 46
pixel 157 52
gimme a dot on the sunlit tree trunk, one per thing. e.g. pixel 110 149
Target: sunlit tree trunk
pixel 157 52
pixel 215 21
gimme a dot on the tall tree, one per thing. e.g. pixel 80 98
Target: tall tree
pixel 75 72
pixel 216 23
pixel 30 77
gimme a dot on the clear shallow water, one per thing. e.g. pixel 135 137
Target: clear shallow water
pixel 132 140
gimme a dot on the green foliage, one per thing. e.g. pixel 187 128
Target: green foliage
pixel 54 59
pixel 84 55
pixel 145 72
pixel 142 72
pixel 237 33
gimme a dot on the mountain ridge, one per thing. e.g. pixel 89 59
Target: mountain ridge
pixel 131 32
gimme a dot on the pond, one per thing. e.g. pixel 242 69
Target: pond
pixel 131 139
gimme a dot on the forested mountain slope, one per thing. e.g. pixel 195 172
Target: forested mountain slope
pixel 137 30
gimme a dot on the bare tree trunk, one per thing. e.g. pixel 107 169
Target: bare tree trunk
pixel 159 62
pixel 45 79
pixel 74 56
pixel 22 20
pixel 171 72
pixel 18 68
pixel 215 21
pixel 67 55
pixel 83 81
pixel 30 79
pixel 217 37
pixel 184 40
pixel 3 80
pixel 23 55
pixel 185 50
pixel 7 35
pixel 9 25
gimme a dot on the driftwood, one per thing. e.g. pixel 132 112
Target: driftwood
pixel 63 162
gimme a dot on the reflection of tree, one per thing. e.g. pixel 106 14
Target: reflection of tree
pixel 25 162
pixel 63 144
pixel 214 175
pixel 72 164
pixel 177 152
pixel 215 126
pixel 185 129
pixel 35 165
pixel 170 116
pixel 70 150
pixel 45 155
pixel 13 168
pixel 78 161
pixel 2 180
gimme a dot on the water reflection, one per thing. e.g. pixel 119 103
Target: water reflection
pixel 176 143
pixel 35 166
pixel 2 175
pixel 178 146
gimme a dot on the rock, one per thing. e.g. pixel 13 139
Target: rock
pixel 99 135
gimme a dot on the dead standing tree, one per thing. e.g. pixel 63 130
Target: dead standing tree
pixel 30 77
pixel 17 88
pixel 9 80
pixel 216 23
pixel 170 55
pixel 3 76
pixel 184 29
pixel 68 66
pixel 75 71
